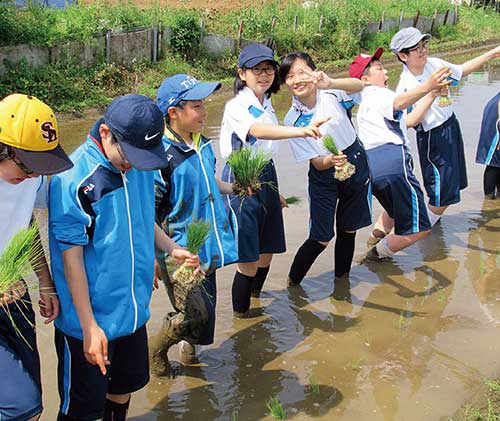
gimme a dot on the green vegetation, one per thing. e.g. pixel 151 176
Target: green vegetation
pixel 314 386
pixel 197 233
pixel 292 200
pixel 67 86
pixel 276 409
pixel 247 168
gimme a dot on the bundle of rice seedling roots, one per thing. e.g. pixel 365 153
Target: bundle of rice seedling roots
pixel 182 277
pixel 22 251
pixel 348 169
pixel 247 167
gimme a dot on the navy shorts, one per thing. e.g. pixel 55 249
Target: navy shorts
pixel 397 189
pixel 258 218
pixel 20 390
pixel 83 388
pixel 349 200
pixel 442 160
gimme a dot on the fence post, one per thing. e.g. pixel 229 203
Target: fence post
pixel 160 39
pixel 240 33
pixel 381 23
pixel 417 17
pixel 321 21
pixel 202 30
pixel 108 46
pixel 445 21
pixel 273 22
pixel 400 19
pixel 455 18
pixel 295 22
pixel 154 35
pixel 433 20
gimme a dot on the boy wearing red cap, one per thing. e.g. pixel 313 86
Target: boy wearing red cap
pixel 29 147
pixel 383 133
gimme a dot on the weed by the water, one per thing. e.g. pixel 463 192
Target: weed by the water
pixel 493 385
pixel 276 409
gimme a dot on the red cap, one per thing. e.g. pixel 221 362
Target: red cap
pixel 361 62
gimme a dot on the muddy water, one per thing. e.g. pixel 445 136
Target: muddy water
pixel 419 333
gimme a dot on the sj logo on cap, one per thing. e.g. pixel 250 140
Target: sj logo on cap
pixel 49 133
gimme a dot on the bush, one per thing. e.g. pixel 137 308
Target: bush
pixel 185 35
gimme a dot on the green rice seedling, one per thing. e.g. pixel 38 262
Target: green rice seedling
pixel 276 409
pixel 348 169
pixel 22 250
pixel 197 233
pixel 247 167
pixel 292 200
pixel 313 385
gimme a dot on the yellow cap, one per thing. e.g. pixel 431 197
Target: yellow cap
pixel 30 126
pixel 27 123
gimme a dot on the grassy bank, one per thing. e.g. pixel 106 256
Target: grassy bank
pixel 67 86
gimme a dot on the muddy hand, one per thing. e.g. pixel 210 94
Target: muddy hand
pixel 338 160
pixel 48 303
pixel 283 202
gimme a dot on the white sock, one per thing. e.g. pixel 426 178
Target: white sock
pixel 433 217
pixel 383 249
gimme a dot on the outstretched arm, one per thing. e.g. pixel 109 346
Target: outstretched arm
pixel 437 80
pixel 276 132
pixel 478 62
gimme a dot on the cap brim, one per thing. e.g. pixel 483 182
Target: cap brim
pixel 201 91
pixel 46 162
pixel 145 159
pixel 256 60
pixel 378 53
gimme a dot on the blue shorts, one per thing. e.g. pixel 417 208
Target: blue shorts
pixel 83 388
pixel 442 160
pixel 20 390
pixel 258 218
pixel 397 189
pixel 349 200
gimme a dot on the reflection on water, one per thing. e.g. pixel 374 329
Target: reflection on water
pixel 406 339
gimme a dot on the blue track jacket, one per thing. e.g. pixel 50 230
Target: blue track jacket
pixel 186 190
pixel 110 214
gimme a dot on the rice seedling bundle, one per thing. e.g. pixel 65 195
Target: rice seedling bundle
pixel 292 200
pixel 197 234
pixel 348 169
pixel 247 167
pixel 23 249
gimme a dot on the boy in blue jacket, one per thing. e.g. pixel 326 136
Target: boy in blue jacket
pixel 187 189
pixel 102 238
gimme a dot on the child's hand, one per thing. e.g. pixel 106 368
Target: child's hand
pixel 338 160
pixel 48 303
pixel 156 275
pixel 313 129
pixel 283 202
pixel 95 347
pixel 184 257
pixel 439 79
pixel 17 291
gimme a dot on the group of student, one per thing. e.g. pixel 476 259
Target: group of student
pixel 122 202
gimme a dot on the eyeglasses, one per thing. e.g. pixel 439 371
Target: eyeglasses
pixel 12 156
pixel 419 48
pixel 257 71
pixel 119 150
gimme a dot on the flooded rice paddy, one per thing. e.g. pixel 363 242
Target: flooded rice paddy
pixel 412 340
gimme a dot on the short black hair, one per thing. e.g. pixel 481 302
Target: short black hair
pixel 288 61
pixel 239 83
pixel 180 105
pixel 4 152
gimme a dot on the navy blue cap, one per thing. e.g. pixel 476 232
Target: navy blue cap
pixel 138 125
pixel 183 87
pixel 254 54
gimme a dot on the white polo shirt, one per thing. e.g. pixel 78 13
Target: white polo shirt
pixel 16 205
pixel 328 104
pixel 435 115
pixel 378 123
pixel 240 113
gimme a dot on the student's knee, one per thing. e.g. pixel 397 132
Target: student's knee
pixel 265 260
pixel 248 269
pixel 324 243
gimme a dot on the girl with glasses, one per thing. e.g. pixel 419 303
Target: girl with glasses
pixel 249 121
